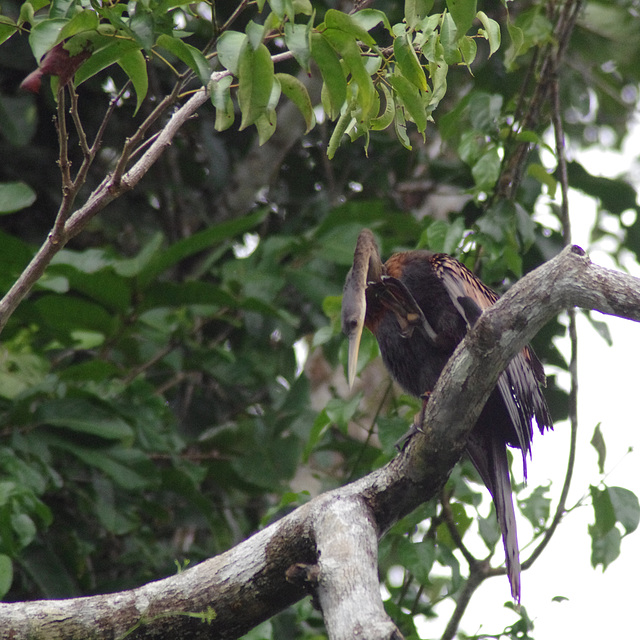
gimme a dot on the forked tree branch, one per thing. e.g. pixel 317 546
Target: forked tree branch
pixel 327 547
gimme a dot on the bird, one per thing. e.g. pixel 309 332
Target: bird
pixel 419 305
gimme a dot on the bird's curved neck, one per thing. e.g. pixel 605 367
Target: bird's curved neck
pixel 367 258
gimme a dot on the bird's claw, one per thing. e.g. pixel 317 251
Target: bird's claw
pixel 416 425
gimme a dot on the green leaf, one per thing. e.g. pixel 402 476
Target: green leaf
pixel 7 28
pixel 298 94
pixel 424 553
pixel 442 236
pixel 15 196
pixel 333 76
pixel 408 62
pixel 516 47
pixel 468 49
pixel 221 99
pixel 69 313
pixel 415 11
pixel 338 131
pixel 104 58
pixel 616 195
pixel 6 574
pixel 370 18
pixel 303 6
pixel 489 529
pixel 230 45
pixel 345 44
pixel 160 261
pixel 103 285
pixel 411 100
pixel 434 236
pixel 603 510
pixel 343 22
pixel 24 529
pixel 401 128
pixel 626 507
pixel 597 442
pixel 190 293
pixel 141 26
pixel 283 9
pixel 601 328
pixel 61 8
pixel 266 125
pixel 255 34
pixel 44 36
pixel 297 38
pixel 462 521
pixel 485 111
pixel 386 117
pixel 491 32
pixel 463 13
pixel 486 170
pixel 83 21
pixel 340 411
pixel 604 548
pixel 191 56
pixel 84 416
pixel 540 173
pixel 319 427
pixel 255 76
pixel 449 39
pixel 537 507
pixel 117 463
pixel 135 66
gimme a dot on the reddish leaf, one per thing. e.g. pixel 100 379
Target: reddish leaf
pixel 56 62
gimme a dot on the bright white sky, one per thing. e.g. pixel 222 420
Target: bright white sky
pixel 600 605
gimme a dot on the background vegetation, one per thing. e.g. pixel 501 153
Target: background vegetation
pixel 174 380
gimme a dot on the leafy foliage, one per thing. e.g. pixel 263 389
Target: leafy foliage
pixel 173 382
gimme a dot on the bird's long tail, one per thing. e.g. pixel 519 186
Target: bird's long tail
pixel 490 459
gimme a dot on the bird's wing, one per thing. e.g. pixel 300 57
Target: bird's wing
pixel 464 288
pixel 396 298
pixel 518 384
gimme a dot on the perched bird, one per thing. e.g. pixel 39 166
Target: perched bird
pixel 419 305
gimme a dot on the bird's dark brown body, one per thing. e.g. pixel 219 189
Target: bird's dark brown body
pixel 419 306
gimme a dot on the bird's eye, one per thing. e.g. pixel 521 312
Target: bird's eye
pixel 351 324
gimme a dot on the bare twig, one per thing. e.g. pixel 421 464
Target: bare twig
pixel 447 515
pixel 477 575
pixel 514 165
pixel 75 116
pixel 107 191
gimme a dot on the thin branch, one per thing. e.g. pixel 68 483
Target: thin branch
pixel 68 191
pixel 113 103
pixel 63 141
pixel 447 515
pixel 138 137
pixel 513 167
pixel 558 130
pixel 477 575
pixel 370 430
pixel 75 116
pixel 573 332
pixel 239 9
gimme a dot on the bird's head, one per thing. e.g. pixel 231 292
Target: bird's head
pixel 367 267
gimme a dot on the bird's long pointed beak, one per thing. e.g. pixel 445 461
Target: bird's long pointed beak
pixel 354 348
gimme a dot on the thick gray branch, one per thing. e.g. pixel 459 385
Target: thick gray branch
pixel 280 564
pixel 348 589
